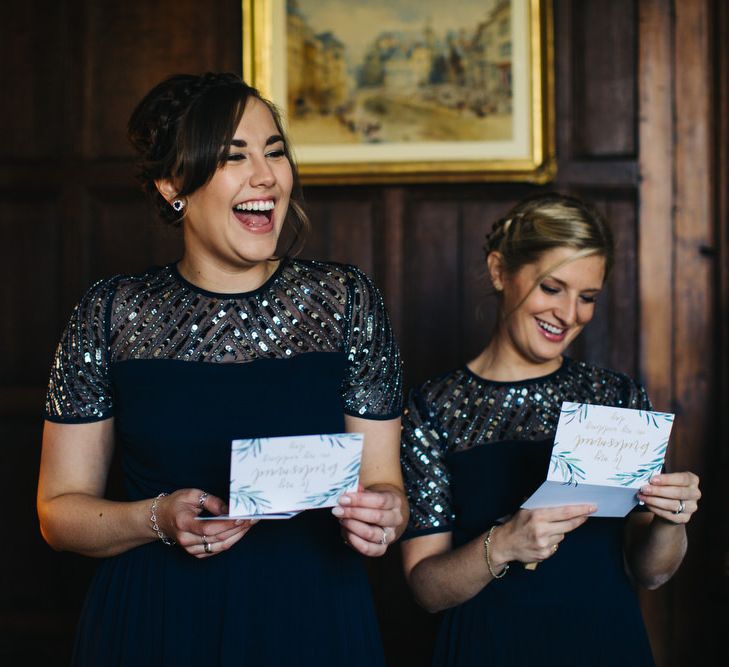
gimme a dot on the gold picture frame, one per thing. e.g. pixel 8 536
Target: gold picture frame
pixel 478 100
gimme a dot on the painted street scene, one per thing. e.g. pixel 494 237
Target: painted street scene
pixel 379 71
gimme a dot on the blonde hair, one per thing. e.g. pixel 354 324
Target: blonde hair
pixel 545 222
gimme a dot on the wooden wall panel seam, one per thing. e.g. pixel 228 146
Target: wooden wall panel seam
pixel 656 128
pixel 656 252
pixel 693 315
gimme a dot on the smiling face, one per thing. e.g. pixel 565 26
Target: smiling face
pixel 232 223
pixel 545 305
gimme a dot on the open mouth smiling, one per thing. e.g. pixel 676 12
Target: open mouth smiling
pixel 255 215
pixel 262 205
pixel 550 328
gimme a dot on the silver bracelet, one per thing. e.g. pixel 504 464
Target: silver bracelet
pixel 486 545
pixel 153 518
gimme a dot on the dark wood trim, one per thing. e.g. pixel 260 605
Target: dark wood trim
pixel 621 174
pixel 676 265
pixel 656 197
pixel 694 357
pixel 391 249
pixel 720 460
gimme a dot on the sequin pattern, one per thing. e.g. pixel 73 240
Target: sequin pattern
pixel 305 307
pixel 78 386
pixel 460 410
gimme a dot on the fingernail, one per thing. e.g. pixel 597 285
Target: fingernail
pixel 655 479
pixel 645 489
pixel 593 508
pixel 345 500
pixel 337 511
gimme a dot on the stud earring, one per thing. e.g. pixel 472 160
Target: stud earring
pixel 178 205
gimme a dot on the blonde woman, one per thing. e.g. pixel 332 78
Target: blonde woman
pixel 476 443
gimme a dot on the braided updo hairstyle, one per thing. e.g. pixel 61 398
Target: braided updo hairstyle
pixel 544 222
pixel 182 131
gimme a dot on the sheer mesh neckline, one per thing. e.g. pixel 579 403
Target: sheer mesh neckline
pixel 517 383
pixel 302 307
pixel 305 306
pixel 268 282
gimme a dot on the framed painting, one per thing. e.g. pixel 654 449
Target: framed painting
pixel 383 91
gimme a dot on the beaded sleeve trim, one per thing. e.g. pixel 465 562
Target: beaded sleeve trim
pixel 461 410
pixel 304 307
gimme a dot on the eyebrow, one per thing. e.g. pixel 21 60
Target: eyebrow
pixel 240 143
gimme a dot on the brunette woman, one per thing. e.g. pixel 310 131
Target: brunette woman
pixel 235 340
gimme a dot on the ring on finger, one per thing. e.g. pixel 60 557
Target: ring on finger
pixel 554 548
pixel 207 547
pixel 201 500
pixel 383 541
pixel 681 507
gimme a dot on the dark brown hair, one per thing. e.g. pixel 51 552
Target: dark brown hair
pixel 182 130
pixel 549 221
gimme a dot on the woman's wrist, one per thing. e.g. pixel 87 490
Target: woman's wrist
pixel 494 569
pixel 154 520
pixel 498 555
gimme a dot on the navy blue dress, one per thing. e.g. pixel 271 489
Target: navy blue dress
pixel 472 451
pixel 183 372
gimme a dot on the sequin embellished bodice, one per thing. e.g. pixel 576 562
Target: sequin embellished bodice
pixel 304 307
pixel 461 411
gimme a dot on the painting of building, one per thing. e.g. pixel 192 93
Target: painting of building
pixel 403 74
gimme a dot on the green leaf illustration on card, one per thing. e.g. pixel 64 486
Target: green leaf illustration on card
pixel 645 471
pixel 642 474
pixel 333 440
pixel 574 411
pixel 245 448
pixel 251 500
pixel 568 467
pixel 654 419
pixel 349 481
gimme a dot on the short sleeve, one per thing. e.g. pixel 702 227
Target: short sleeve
pixel 372 387
pixel 426 474
pixel 636 396
pixel 79 389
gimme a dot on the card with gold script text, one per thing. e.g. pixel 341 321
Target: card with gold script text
pixel 603 455
pixel 275 477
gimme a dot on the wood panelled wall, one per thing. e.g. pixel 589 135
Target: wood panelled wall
pixel 719 488
pixel 636 124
